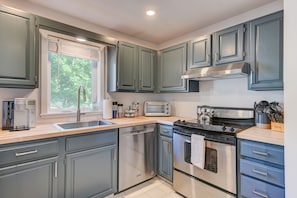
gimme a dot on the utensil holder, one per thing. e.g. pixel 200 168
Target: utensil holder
pixel 262 120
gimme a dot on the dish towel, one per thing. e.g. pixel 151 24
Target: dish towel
pixel 198 150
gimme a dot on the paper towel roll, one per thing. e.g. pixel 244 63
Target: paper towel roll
pixel 107 109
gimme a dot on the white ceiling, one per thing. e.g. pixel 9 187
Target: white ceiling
pixel 173 18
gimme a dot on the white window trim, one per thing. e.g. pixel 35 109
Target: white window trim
pixel 45 70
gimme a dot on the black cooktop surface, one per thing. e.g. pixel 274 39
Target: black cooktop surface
pixel 217 125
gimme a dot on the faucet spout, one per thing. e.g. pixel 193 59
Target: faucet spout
pixel 78 101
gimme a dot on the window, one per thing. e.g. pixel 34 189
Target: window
pixel 67 64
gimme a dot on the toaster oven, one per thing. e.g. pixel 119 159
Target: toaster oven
pixel 157 108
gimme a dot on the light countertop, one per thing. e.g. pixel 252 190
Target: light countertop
pixel 262 135
pixel 50 131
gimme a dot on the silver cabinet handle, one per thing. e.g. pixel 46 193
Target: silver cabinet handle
pixel 26 153
pixel 260 194
pixel 260 172
pixel 208 58
pixel 166 131
pixel 260 153
pixel 56 170
pixel 217 56
pixel 114 155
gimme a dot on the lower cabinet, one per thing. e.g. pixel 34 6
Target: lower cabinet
pixel 76 166
pixel 261 170
pixel 91 173
pixel 28 180
pixel 165 162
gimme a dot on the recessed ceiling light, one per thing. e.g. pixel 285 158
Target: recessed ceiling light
pixel 80 39
pixel 150 12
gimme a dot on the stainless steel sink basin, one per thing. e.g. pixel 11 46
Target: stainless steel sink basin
pixel 75 125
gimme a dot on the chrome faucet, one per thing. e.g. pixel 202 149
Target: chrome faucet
pixel 78 101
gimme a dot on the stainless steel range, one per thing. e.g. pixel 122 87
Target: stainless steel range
pixel 218 127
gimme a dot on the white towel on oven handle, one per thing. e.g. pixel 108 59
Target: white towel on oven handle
pixel 197 150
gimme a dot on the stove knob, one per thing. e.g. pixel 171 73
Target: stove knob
pixel 183 121
pixel 232 129
pixel 224 128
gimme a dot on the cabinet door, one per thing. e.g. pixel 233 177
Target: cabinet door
pixel 165 157
pixel 28 180
pixel 228 45
pixel 173 63
pixel 266 52
pixel 91 173
pixel 17 65
pixel 127 67
pixel 200 52
pixel 147 61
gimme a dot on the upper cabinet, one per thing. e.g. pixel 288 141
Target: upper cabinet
pixel 200 52
pixel 266 53
pixel 127 65
pixel 17 67
pixel 222 47
pixel 229 45
pixel 172 65
pixel 146 68
pixel 134 69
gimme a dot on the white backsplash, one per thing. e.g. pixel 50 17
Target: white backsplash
pixel 227 93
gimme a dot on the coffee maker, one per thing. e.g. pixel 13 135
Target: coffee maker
pixel 18 114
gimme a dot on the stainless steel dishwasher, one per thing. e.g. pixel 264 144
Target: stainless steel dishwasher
pixel 137 155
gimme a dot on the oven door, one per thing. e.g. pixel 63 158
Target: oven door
pixel 220 162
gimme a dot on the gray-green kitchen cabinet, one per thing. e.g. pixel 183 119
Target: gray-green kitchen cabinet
pixel 91 164
pixel 146 68
pixel 127 66
pixel 172 65
pixel 229 45
pixel 91 173
pixel 27 180
pixel 29 169
pixel 165 156
pixel 266 53
pixel 199 52
pixel 134 69
pixel 17 54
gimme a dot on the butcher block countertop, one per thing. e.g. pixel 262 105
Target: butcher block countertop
pixel 50 131
pixel 262 135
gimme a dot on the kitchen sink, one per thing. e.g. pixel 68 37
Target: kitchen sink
pixel 75 125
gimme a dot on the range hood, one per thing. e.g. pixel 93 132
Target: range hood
pixel 232 70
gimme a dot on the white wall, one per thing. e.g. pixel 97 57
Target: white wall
pixel 231 92
pixel 290 43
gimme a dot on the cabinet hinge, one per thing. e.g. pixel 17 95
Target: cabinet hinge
pixel 36 79
pixel 243 54
pixel 64 161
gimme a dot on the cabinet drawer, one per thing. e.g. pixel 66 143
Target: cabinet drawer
pixel 254 188
pixel 28 151
pixel 264 172
pixel 266 152
pixel 91 140
pixel 165 130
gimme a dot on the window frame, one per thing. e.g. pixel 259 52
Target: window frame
pixel 45 71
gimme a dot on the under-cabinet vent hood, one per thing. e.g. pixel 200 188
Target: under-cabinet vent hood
pixel 232 70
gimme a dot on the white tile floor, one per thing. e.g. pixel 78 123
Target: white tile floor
pixel 154 188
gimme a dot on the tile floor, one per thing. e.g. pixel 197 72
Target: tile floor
pixel 154 188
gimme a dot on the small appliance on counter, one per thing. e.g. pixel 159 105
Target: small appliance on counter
pixel 156 108
pixel 18 114
pixel 269 115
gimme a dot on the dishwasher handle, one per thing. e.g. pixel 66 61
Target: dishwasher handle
pixel 138 132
